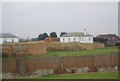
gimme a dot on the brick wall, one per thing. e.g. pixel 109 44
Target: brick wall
pixel 52 39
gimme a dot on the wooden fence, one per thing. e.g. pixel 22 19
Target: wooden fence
pixel 23 65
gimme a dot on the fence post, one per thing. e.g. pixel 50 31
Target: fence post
pixel 21 64
pixel 118 62
pixel 61 63
pixel 61 69
pixel 94 63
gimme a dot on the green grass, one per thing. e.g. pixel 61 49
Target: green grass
pixel 9 58
pixel 104 75
pixel 105 51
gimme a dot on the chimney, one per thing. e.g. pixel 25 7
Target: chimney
pixel 84 31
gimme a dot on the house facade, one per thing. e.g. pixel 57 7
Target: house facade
pixel 77 37
pixel 8 38
pixel 112 38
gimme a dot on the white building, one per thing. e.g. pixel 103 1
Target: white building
pixel 77 37
pixel 7 38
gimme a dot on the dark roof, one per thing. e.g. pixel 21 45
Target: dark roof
pixel 107 35
pixel 75 34
pixel 7 35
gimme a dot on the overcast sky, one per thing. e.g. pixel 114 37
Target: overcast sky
pixel 31 19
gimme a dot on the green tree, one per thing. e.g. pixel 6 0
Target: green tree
pixel 45 35
pixel 42 36
pixel 100 40
pixel 62 33
pixel 53 34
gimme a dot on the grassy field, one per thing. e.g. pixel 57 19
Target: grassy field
pixel 105 51
pixel 104 75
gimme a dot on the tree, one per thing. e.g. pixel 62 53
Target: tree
pixel 53 34
pixel 62 33
pixel 45 35
pixel 100 40
pixel 42 36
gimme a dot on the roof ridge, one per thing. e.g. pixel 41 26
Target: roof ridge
pixel 75 34
pixel 7 35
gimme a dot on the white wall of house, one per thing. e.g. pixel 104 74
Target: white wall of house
pixel 1 41
pixel 77 39
pixel 8 40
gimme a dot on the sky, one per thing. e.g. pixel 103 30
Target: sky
pixel 29 19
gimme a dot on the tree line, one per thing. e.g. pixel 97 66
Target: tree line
pixel 45 35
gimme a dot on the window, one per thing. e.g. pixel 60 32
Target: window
pixel 78 39
pixel 74 39
pixel 82 38
pixel 89 39
pixel 12 40
pixel 63 39
pixel 5 40
pixel 69 39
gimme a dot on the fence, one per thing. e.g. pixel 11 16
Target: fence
pixel 23 65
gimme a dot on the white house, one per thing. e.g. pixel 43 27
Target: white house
pixel 7 38
pixel 77 37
